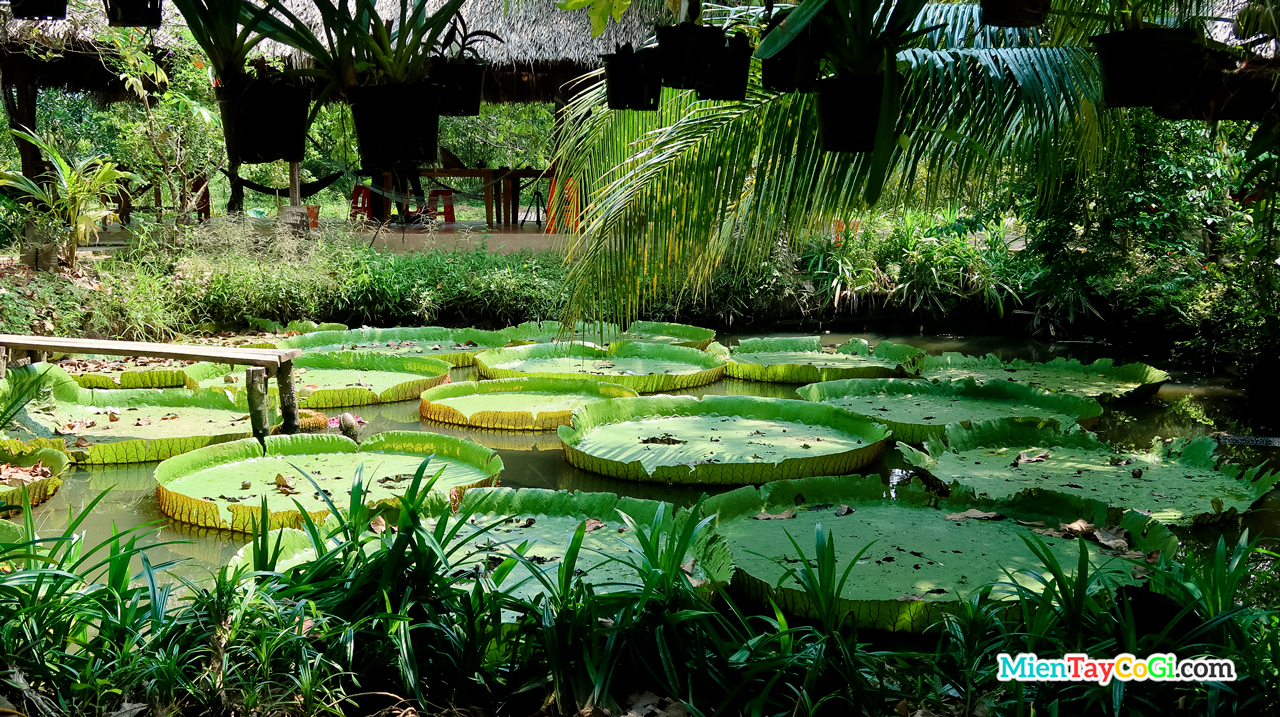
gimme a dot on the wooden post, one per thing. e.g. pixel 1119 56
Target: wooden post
pixel 295 186
pixel 288 399
pixel 255 383
pixel 488 200
pixel 4 362
pixel 386 198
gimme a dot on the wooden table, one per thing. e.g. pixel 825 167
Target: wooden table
pixel 490 177
pixel 262 363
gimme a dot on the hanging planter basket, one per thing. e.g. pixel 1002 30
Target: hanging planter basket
pixel 1148 67
pixel 849 112
pixel 396 125
pixel 1014 13
pixel 38 9
pixel 459 85
pixel 1249 93
pixel 633 79
pixel 687 51
pixel 134 13
pixel 795 68
pixel 264 119
pixel 727 72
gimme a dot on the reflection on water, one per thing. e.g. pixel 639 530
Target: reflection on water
pixel 1191 405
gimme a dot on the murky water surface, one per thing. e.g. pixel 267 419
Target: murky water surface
pixel 1192 404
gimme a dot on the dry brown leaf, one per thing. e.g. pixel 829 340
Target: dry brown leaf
pixel 1113 537
pixel 142 421
pixel 113 417
pixel 1077 528
pixel 974 514
pixel 593 524
pixel 1153 557
pixel 378 525
pixel 285 484
pixel 1048 532
pixel 1030 523
pixel 245 485
pixel 81 442
pixel 843 510
pixel 784 515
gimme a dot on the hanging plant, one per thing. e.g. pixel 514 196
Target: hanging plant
pixel 38 9
pixel 633 78
pixel 457 71
pixel 134 13
pixel 795 67
pixel 1014 13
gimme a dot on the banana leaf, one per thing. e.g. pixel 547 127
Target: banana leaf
pixel 517 404
pixel 669 333
pixel 40 490
pixel 718 440
pixel 802 360
pixel 921 559
pixel 339 379
pixel 1176 483
pixel 544 523
pixel 1102 379
pixel 457 346
pixel 917 410
pixel 150 425
pixel 223 486
pixel 640 366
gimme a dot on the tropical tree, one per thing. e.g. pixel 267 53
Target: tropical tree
pixel 669 197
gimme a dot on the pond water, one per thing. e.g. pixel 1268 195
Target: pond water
pixel 1192 404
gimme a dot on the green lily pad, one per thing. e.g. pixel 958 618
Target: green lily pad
pixel 456 346
pixel 544 522
pixel 921 563
pixel 207 487
pixel 109 372
pixel 1176 483
pixel 300 326
pixel 1102 379
pixel 917 410
pixel 150 425
pixel 39 488
pixel 727 440
pixel 10 533
pixel 668 333
pixel 640 366
pixel 339 379
pixel 519 404
pixel 803 360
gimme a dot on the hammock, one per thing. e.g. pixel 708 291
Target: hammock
pixel 306 188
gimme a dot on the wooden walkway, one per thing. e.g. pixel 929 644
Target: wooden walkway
pixel 262 363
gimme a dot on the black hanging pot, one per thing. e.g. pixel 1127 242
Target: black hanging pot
pixel 633 80
pixel 849 112
pixel 686 51
pixel 1014 13
pixel 264 119
pixel 727 72
pixel 396 125
pixel 133 13
pixel 459 85
pixel 795 68
pixel 38 9
pixel 1247 93
pixel 1148 67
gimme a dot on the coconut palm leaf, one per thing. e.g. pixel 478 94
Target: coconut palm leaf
pixel 669 196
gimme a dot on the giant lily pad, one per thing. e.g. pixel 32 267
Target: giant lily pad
pixel 803 360
pixel 337 379
pixel 924 557
pixel 668 333
pixel 917 410
pixel 113 372
pixel 1175 483
pixel 129 425
pixel 718 439
pixel 10 533
pixel 38 472
pixel 545 332
pixel 519 404
pixel 544 522
pixel 457 346
pixel 1102 379
pixel 640 366
pixel 223 486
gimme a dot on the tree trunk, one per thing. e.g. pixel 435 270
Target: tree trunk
pixel 235 204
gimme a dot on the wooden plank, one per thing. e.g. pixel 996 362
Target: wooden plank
pixel 4 362
pixel 216 354
pixel 288 399
pixel 255 384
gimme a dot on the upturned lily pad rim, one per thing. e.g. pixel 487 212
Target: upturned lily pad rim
pixel 710 366
pixel 491 339
pixel 522 420
pixel 1148 378
pixel 622 410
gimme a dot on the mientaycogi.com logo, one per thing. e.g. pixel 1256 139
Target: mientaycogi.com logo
pixel 1160 667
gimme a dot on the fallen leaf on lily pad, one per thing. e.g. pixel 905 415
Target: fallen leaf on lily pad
pixel 974 514
pixel 82 442
pixel 593 524
pixel 1079 528
pixel 843 510
pixel 784 515
pixel 378 525
pixel 285 484
pixel 1113 537
pixel 142 421
pixel 245 485
pixel 1028 457
pixel 1031 523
